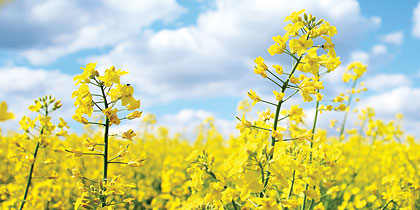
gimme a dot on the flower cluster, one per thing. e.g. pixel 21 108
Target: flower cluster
pixel 110 92
pixel 279 161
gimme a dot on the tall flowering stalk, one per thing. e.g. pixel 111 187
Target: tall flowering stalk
pixel 353 73
pixel 109 92
pixel 306 60
pixel 259 172
pixel 41 124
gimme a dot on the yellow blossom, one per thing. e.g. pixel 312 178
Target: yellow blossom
pixel 128 134
pixel 254 97
pixel 279 96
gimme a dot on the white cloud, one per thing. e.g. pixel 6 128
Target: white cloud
pixel 386 104
pixel 395 38
pixel 215 56
pixel 397 100
pixel 21 86
pixel 212 58
pixel 416 21
pixel 384 82
pixel 58 28
pixel 187 121
pixel 376 57
pixel 360 56
pixel 379 49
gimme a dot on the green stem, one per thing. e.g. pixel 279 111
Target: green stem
pixel 97 105
pixel 274 82
pixel 275 76
pixel 276 120
pixel 262 172
pixel 253 126
pixel 31 170
pixel 312 204
pixel 291 186
pixel 291 95
pixel 386 205
pixel 105 163
pixel 117 162
pixel 234 205
pixel 347 107
pixel 268 102
pixel 283 117
pixel 312 145
pixel 28 183
pixel 95 123
pixel 91 153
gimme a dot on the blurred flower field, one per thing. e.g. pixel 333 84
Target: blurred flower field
pixel 280 161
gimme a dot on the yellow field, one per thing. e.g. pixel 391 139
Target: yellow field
pixel 277 162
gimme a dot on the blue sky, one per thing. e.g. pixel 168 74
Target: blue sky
pixel 191 59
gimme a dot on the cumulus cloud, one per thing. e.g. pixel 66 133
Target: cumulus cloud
pixel 379 49
pixel 21 86
pixel 360 56
pixel 416 21
pixel 49 29
pixel 383 82
pixel 209 59
pixel 395 38
pixel 375 58
pixel 387 104
pixel 186 123
pixel 215 56
pixel 397 100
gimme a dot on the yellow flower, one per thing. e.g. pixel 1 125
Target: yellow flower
pixel 133 104
pixel 294 79
pixel 112 76
pixel 261 67
pixel 89 144
pixel 134 115
pixel 114 120
pixel 254 97
pixel 26 123
pixel 88 72
pixel 341 107
pixel 259 61
pixel 295 110
pixel 244 124
pixel 275 49
pixel 36 107
pixel 279 96
pixel 293 29
pixel 300 45
pixel 320 206
pixel 311 193
pixel 4 115
pixel 269 203
pixel 128 134
pixel 277 134
pixel 279 69
pixel 311 62
pixel 62 123
pixel 123 151
pixel 80 119
pixel 328 46
pixel 136 162
pixel 279 46
pixel 294 17
pixel 266 115
pixel 109 112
